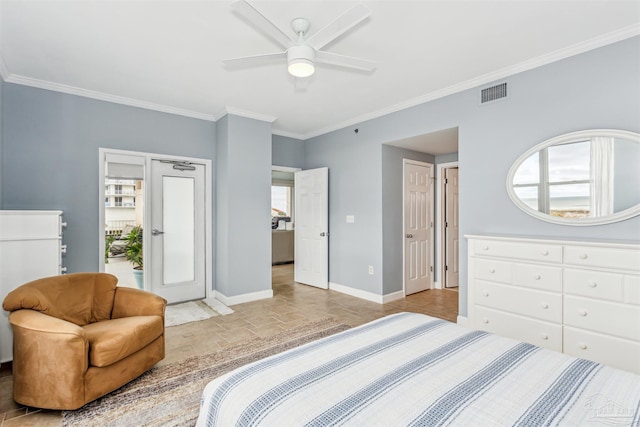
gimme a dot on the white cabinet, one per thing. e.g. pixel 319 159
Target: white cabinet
pixel 581 298
pixel 30 248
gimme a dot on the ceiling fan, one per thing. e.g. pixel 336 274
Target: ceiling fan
pixel 302 53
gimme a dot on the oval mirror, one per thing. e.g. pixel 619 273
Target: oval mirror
pixel 588 177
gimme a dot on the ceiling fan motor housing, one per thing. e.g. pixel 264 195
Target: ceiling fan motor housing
pixel 301 60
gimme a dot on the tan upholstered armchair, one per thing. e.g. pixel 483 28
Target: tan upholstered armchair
pixel 79 336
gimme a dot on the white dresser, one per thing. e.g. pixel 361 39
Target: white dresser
pixel 581 298
pixel 30 248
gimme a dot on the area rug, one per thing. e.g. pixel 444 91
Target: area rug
pixel 170 395
pixel 193 311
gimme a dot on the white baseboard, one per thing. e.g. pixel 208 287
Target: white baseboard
pixel 365 295
pixel 239 299
pixel 462 321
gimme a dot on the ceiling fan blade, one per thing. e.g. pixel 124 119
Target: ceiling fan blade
pixel 263 23
pixel 252 60
pixel 339 26
pixel 345 61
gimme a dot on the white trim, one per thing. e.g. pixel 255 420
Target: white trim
pixel 576 49
pixel 358 293
pixel 366 295
pixel 463 321
pixel 147 157
pixel 440 244
pixel 4 72
pixel 394 296
pixel 288 134
pixel 406 162
pixel 87 93
pixel 239 299
pixel 562 139
pixel 284 169
pixel 244 113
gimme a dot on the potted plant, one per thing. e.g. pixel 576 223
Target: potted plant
pixel 134 254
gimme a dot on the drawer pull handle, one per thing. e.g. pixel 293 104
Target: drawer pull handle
pixel 485 320
pixel 63 224
pixel 583 346
pixel 485 248
pixel 544 336
pixel 544 253
pixel 583 256
pixel 63 249
pixel 545 305
pixel 492 270
pixel 582 312
pixel 63 270
pixel 486 294
pixel 537 277
pixel 593 284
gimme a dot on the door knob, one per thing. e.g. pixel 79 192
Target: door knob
pixel 409 236
pixel 156 232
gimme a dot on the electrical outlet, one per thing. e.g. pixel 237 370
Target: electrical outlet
pixel 371 270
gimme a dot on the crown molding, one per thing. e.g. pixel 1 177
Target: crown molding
pixel 576 49
pixel 86 93
pixel 287 134
pixel 244 113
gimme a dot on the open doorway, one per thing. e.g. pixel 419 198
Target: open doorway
pixel 123 217
pixel 282 216
pixel 447 224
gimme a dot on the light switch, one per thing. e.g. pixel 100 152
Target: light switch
pixel 351 219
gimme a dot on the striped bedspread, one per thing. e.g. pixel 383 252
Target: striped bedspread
pixel 409 369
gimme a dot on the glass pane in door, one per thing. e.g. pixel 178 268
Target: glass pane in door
pixel 178 209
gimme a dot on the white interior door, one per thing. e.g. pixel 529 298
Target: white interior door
pixel 177 231
pixel 451 228
pixel 418 227
pixel 312 227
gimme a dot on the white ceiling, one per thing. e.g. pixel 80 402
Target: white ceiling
pixel 166 55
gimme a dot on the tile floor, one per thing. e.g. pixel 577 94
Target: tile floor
pixel 292 304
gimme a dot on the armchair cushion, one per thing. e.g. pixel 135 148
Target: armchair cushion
pixel 112 340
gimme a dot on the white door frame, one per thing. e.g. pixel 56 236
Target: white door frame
pixel 404 261
pixel 147 157
pixel 440 220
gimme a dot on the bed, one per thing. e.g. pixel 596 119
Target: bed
pixel 409 369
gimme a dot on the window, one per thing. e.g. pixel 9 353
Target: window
pixel 118 201
pixel 281 201
pixel 118 189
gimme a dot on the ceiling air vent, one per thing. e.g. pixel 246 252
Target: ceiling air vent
pixel 493 93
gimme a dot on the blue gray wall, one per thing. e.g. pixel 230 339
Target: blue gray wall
pixel 50 155
pixel 392 214
pixel 287 151
pixel 597 89
pixel 243 206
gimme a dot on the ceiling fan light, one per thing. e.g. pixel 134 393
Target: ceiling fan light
pixel 301 67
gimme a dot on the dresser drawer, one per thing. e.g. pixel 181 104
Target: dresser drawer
pixel 631 289
pixel 536 332
pixel 611 351
pixel 489 269
pixel 526 302
pixel 621 320
pixel 538 276
pixel 594 284
pixel 625 259
pixel 519 250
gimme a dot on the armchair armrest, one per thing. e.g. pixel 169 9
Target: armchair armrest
pixel 54 355
pixel 135 302
pixel 64 343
